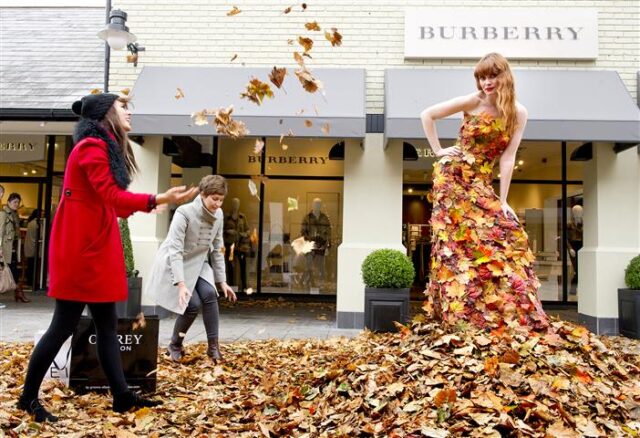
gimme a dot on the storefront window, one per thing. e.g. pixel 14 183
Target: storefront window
pixel 23 155
pixel 63 145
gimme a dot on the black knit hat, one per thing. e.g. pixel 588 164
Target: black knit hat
pixel 94 106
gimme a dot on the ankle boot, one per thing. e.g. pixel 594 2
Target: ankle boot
pixel 35 408
pixel 18 295
pixel 175 351
pixel 128 400
pixel 213 351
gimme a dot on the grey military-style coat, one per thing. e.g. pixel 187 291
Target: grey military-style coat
pixel 194 241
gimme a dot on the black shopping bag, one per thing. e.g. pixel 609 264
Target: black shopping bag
pixel 138 350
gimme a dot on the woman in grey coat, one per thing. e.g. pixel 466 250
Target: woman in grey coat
pixel 189 266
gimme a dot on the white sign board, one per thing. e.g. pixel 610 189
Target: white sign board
pixel 516 33
pixel 21 148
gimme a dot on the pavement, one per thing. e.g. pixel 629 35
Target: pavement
pixel 255 319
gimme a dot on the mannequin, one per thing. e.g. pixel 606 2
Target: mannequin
pixel 236 233
pixel 574 237
pixel 316 227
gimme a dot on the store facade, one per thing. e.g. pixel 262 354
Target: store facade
pixel 578 164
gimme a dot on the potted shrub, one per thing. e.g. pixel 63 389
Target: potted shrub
pixel 131 307
pixel 387 275
pixel 629 301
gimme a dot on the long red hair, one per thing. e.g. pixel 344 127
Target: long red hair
pixel 494 64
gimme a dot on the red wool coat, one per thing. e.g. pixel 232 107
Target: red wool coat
pixel 86 260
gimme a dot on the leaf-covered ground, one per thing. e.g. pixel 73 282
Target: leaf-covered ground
pixel 424 381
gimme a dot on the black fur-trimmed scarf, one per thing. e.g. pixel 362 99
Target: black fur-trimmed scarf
pixel 91 128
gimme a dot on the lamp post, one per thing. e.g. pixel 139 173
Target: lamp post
pixel 117 37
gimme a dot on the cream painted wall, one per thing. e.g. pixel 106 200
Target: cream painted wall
pixel 149 230
pixel 372 212
pixel 611 232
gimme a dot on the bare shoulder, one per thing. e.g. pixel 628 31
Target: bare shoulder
pixel 521 111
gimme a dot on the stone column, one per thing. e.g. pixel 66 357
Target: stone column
pixel 149 230
pixel 372 217
pixel 611 234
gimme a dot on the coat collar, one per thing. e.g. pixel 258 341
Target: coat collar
pixel 91 128
pixel 206 214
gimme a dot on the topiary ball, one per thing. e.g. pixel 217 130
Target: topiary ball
pixel 387 268
pixel 632 273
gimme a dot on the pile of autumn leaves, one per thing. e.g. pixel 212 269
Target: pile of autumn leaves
pixel 424 381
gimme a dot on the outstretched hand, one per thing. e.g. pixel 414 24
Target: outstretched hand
pixel 228 292
pixel 176 195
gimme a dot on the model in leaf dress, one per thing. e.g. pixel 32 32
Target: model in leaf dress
pixel 481 265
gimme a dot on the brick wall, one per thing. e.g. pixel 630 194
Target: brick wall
pixel 198 32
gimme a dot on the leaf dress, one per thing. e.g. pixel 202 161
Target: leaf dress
pixel 481 265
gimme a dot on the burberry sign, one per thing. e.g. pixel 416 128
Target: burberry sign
pixel 517 33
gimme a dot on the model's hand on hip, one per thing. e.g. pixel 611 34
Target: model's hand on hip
pixel 228 292
pixel 176 195
pixel 453 151
pixel 184 295
pixel 507 210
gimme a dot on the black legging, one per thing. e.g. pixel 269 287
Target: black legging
pixel 203 296
pixel 65 319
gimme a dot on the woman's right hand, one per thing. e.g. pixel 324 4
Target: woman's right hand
pixel 184 296
pixel 176 195
pixel 453 151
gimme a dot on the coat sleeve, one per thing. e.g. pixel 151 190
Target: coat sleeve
pixel 175 237
pixel 93 159
pixel 3 229
pixel 217 258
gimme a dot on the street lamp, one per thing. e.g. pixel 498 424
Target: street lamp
pixel 117 36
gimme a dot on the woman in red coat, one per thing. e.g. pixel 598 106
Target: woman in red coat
pixel 86 260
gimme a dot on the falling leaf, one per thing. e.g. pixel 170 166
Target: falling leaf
pixel 95 91
pixel 200 117
pixel 325 128
pixel 257 91
pixel 298 58
pixel 285 146
pixel 234 57
pixel 302 246
pixel 125 91
pixel 292 204
pixel 304 7
pixel 257 148
pixel 249 291
pixel 312 25
pixel 139 323
pixel 232 249
pixel 225 124
pixel 309 83
pixel 290 133
pixel 308 123
pixel 234 11
pixel 277 76
pixel 132 59
pixel 253 189
pixel 286 11
pixel 290 42
pixel 179 93
pixel 306 43
pixel 334 37
pixel 182 335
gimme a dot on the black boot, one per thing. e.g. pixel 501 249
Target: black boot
pixel 124 402
pixel 214 351
pixel 175 351
pixel 35 408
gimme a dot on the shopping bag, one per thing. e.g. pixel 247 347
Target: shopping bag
pixel 61 365
pixel 7 283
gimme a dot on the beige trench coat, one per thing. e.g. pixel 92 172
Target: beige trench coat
pixel 194 241
pixel 9 232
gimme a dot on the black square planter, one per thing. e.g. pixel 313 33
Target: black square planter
pixel 383 306
pixel 629 312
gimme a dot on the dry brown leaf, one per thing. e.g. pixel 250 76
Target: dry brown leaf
pixel 233 11
pixel 302 246
pixel 312 26
pixel 308 81
pixel 139 323
pixel 179 93
pixel 286 11
pixel 125 91
pixel 306 43
pixel 257 91
pixel 95 91
pixel 234 57
pixel 226 124
pixel 325 128
pixel 298 58
pixel 333 37
pixel 259 145
pixel 308 123
pixel 445 396
pixel 277 76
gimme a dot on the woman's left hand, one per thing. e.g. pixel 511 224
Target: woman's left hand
pixel 507 210
pixel 228 292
